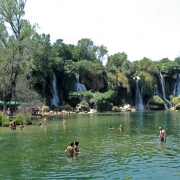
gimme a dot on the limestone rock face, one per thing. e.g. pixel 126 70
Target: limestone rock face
pixel 96 84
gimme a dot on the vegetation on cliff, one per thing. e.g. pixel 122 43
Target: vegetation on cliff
pixel 30 63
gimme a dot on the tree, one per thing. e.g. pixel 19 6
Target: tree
pixel 15 35
pixel 87 49
pixel 101 52
pixel 116 59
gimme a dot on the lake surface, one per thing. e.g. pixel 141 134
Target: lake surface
pixel 135 153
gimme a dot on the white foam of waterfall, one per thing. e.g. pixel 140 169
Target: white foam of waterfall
pixel 163 90
pixel 176 91
pixel 55 99
pixel 79 86
pixel 138 101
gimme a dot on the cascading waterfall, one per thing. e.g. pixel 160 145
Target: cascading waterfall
pixel 55 99
pixel 163 91
pixel 176 91
pixel 79 86
pixel 138 101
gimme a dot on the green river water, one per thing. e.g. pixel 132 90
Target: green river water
pixel 135 153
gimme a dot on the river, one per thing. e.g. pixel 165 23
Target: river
pixel 134 153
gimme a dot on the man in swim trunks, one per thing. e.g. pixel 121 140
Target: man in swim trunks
pixel 70 149
pixel 162 134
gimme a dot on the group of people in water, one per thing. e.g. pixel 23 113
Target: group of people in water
pixel 120 128
pixel 13 126
pixel 73 149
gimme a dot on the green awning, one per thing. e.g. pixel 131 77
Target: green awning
pixel 1 102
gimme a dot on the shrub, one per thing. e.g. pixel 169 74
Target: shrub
pixel 157 100
pixel 103 101
pixel 24 118
pixel 116 109
pixel 4 120
pixel 45 108
pixel 85 106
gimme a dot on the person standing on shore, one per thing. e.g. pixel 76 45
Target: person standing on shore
pixel 162 134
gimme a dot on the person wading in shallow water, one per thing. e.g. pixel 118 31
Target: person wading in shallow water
pixel 70 149
pixel 162 134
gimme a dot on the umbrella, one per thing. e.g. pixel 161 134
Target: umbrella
pixel 1 102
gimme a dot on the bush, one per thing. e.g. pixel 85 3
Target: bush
pixel 85 106
pixel 24 118
pixel 116 109
pixel 66 107
pixel 103 101
pixel 157 100
pixel 4 120
pixel 45 108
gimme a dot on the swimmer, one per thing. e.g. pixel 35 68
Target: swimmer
pixel 21 126
pixel 120 128
pixel 45 121
pixel 64 121
pixel 162 134
pixel 76 148
pixel 70 149
pixel 110 127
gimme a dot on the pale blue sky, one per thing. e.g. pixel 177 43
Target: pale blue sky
pixel 140 28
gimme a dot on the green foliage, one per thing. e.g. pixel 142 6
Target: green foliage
pixel 111 80
pixel 4 120
pixel 90 69
pixel 112 69
pixel 116 109
pixel 147 81
pixel 103 101
pixel 70 68
pixel 46 108
pixel 167 67
pixel 87 49
pixel 175 100
pixel 123 81
pixel 66 107
pixel 127 68
pixel 85 106
pixel 74 98
pixel 156 100
pixel 116 59
pixel 22 117
pixel 86 96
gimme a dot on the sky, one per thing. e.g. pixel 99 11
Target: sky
pixel 140 28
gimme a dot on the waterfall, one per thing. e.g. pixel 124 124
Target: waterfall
pixel 138 101
pixel 55 99
pixel 163 90
pixel 176 91
pixel 79 87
